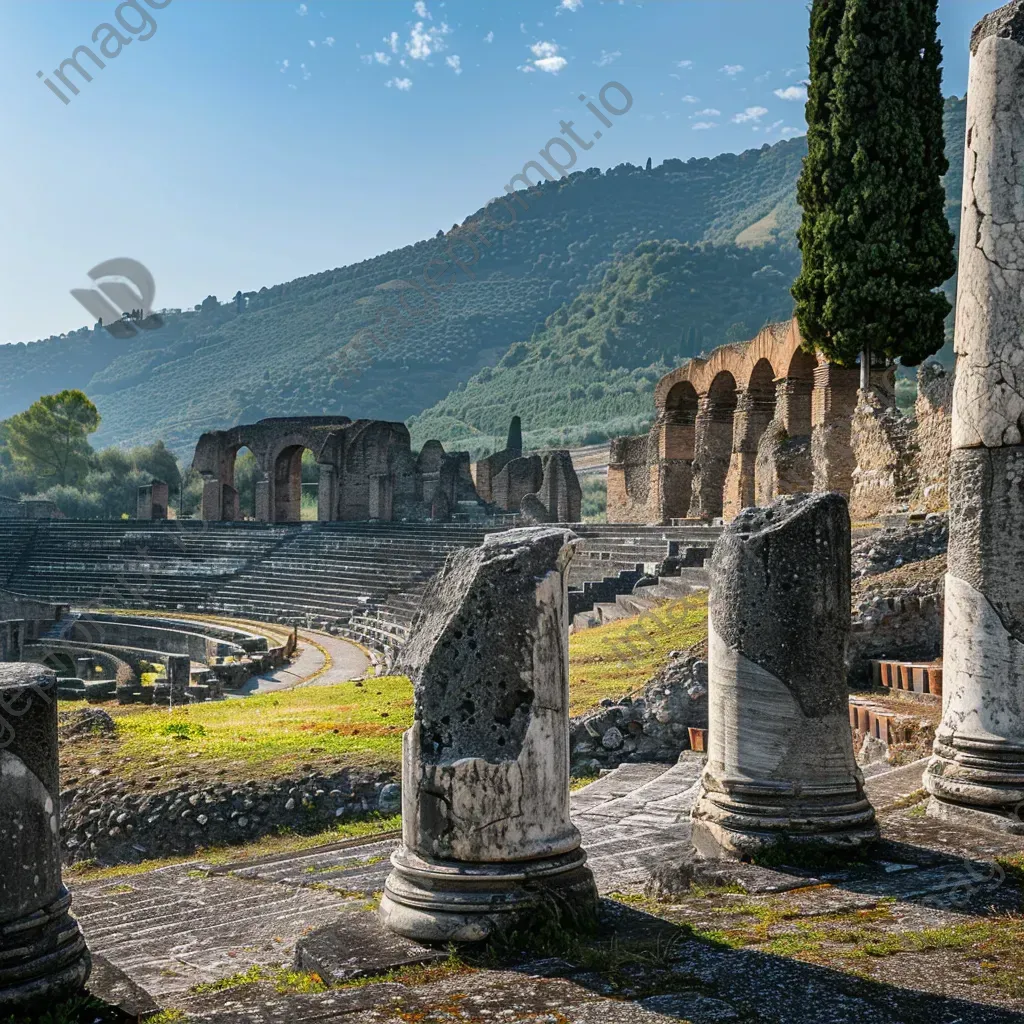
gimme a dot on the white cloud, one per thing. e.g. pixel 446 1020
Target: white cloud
pixel 401 84
pixel 392 41
pixel 607 58
pixel 732 70
pixel 710 112
pixel 774 125
pixel 329 41
pixel 306 75
pixel 421 10
pixel 551 64
pixel 423 41
pixel 302 10
pixel 547 58
pixel 684 63
pixel 284 66
pixel 703 126
pixel 380 57
pixel 570 5
pixel 489 38
pixel 750 114
pixel 366 58
pixel 455 63
pixel 792 92
pixel 691 99
pixel 790 72
pixel 312 43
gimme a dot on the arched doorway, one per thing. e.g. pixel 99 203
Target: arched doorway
pixel 785 463
pixel 240 496
pixel 713 446
pixel 676 450
pixel 798 390
pixel 758 411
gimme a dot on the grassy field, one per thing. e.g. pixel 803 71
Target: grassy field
pixel 267 736
pixel 354 724
pixel 614 660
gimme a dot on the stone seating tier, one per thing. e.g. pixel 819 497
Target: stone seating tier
pixel 363 578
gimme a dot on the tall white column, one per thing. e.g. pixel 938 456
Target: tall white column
pixel 977 771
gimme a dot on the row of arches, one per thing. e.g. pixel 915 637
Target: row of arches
pixel 348 471
pixel 746 424
pixel 719 434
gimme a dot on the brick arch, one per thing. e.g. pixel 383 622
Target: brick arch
pixel 713 443
pixel 215 455
pixel 776 343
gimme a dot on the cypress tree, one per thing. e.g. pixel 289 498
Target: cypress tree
pixel 814 186
pixel 880 243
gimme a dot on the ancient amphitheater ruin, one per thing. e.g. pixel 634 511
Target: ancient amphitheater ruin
pixel 801 818
pixel 757 420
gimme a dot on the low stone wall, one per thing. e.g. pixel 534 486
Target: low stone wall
pixel 103 820
pixel 650 726
pixel 900 624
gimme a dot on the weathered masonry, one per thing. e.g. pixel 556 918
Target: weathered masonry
pixel 749 423
pixel 368 471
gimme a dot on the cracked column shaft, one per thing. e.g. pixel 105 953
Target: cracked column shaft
pixel 976 774
pixel 43 956
pixel 486 834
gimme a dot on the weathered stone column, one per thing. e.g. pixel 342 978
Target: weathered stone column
pixel 212 500
pixel 977 771
pixel 780 764
pixel 485 767
pixel 712 452
pixel 43 956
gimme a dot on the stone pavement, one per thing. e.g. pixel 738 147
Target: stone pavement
pixel 156 936
pixel 347 662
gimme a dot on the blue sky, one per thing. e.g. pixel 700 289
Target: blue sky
pixel 249 142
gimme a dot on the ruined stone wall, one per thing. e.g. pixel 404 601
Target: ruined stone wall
pixel 783 464
pixel 833 404
pixel 519 478
pixel 630 494
pixel 933 411
pixel 885 465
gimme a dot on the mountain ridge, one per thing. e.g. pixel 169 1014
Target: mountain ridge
pixel 288 349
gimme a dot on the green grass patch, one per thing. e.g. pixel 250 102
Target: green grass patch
pixel 285 982
pixel 273 734
pixel 618 659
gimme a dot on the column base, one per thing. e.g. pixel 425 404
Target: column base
pixel 975 817
pixel 452 901
pixel 43 958
pixel 984 778
pixel 751 819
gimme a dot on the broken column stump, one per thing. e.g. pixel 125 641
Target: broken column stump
pixel 43 956
pixel 976 775
pixel 781 766
pixel 486 833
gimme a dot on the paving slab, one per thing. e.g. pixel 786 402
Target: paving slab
pixel 358 946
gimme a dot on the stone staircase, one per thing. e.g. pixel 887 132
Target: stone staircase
pixel 361 580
